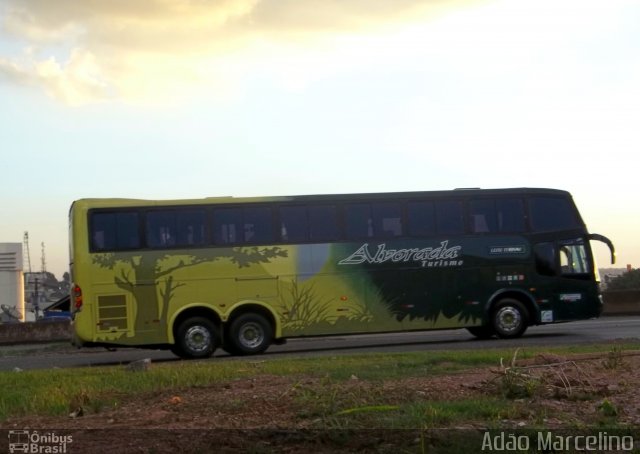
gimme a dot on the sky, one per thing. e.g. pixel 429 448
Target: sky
pixel 164 99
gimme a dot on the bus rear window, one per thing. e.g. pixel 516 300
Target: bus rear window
pixel 552 213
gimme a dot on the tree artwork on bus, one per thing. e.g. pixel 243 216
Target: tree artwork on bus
pixel 149 277
pixel 242 273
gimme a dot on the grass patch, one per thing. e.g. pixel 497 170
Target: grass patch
pixel 59 391
pixel 419 415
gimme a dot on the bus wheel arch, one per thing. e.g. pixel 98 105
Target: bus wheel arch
pixel 510 315
pixel 196 333
pixel 249 330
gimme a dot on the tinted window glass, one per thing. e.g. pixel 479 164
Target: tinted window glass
pixel 449 217
pixel 573 258
pixel 190 225
pixel 552 213
pixel 258 225
pixel 243 225
pixel 114 231
pixel 294 224
pixel 227 225
pixel 387 220
pixel 545 259
pixel 482 215
pixel 358 220
pixel 421 218
pixel 161 229
pixel 510 214
pixel 323 223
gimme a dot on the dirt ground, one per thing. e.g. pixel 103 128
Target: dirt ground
pixel 268 413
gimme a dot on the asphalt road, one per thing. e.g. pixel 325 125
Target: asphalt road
pixel 584 332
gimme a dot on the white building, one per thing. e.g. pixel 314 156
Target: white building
pixel 11 282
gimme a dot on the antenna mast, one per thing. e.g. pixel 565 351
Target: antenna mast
pixel 44 260
pixel 26 251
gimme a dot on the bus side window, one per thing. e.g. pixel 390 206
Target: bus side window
pixel 103 231
pixel 552 213
pixel 98 240
pixel 161 229
pixel 359 221
pixel 511 216
pixel 323 223
pixel 190 227
pixel 258 225
pixel 545 256
pixel 114 231
pixel 483 216
pixel 387 220
pixel 226 225
pixel 449 217
pixel 128 231
pixel 294 224
pixel 421 219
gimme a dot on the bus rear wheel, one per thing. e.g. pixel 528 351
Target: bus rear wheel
pixel 249 334
pixel 509 318
pixel 196 337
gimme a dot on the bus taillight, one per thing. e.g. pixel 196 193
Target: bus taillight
pixel 77 297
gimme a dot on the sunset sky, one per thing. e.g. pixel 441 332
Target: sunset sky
pixel 195 98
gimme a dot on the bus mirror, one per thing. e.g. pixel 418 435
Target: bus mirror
pixel 607 241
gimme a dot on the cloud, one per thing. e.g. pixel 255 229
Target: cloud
pixel 93 50
pixel 74 82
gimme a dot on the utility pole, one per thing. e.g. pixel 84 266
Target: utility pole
pixel 36 297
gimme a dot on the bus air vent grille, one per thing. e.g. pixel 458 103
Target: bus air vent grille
pixel 112 313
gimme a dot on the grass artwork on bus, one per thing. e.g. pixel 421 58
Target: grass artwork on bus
pixel 242 273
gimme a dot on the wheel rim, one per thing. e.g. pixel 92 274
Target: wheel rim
pixel 198 339
pixel 251 335
pixel 509 319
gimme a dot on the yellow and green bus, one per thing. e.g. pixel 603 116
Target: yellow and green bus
pixel 243 273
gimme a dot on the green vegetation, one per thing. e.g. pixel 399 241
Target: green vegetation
pixel 615 359
pixel 334 391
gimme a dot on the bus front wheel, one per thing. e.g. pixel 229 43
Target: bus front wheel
pixel 510 318
pixel 249 334
pixel 196 337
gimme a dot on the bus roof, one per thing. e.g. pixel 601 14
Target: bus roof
pixel 455 193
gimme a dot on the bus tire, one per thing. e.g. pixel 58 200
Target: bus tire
pixel 196 337
pixel 249 334
pixel 509 318
pixel 482 332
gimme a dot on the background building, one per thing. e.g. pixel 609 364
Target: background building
pixel 12 300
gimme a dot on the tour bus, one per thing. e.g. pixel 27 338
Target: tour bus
pixel 243 273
